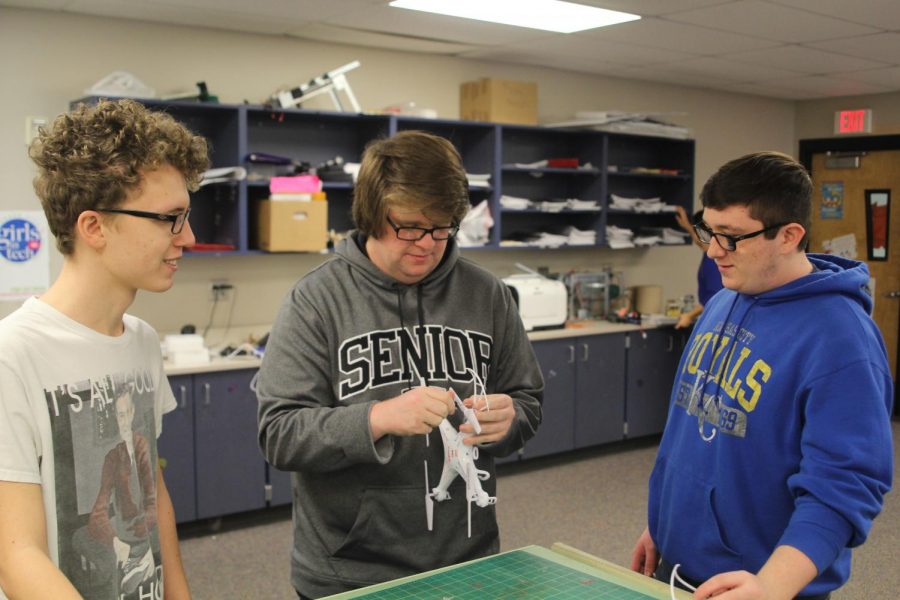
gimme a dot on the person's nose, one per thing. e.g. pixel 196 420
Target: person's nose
pixel 185 237
pixel 715 250
pixel 426 242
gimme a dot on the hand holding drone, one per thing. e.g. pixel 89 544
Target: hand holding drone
pixel 459 459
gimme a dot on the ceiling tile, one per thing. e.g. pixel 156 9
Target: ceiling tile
pixel 771 21
pixel 884 14
pixel 881 46
pixel 670 35
pixel 343 35
pixel 883 77
pixel 767 90
pixel 804 60
pixel 728 70
pixel 828 86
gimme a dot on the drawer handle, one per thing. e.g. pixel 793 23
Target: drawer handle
pixel 207 394
pixel 571 353
pixel 183 390
pixel 584 352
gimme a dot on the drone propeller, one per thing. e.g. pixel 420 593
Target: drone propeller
pixel 429 502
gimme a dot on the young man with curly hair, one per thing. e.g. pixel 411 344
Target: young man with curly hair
pixel 81 380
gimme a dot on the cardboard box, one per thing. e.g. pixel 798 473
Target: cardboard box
pixel 293 226
pixel 498 100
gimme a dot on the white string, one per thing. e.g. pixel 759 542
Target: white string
pixel 675 576
pixel 477 382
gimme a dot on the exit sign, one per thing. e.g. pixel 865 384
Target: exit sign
pixel 853 121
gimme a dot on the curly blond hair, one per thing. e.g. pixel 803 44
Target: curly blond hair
pixel 93 156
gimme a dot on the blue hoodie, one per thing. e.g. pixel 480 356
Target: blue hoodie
pixel 791 441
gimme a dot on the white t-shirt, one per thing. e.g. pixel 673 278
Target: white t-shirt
pixel 79 414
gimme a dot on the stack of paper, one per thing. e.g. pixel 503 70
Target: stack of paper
pixel 580 237
pixel 515 203
pixel 618 237
pixel 479 180
pixel 639 205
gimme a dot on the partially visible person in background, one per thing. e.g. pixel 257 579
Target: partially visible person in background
pixel 709 281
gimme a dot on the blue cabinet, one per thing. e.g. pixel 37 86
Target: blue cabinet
pixel 556 433
pixel 584 394
pixel 604 388
pixel 653 357
pixel 599 389
pixel 213 465
pixel 176 450
pixel 231 471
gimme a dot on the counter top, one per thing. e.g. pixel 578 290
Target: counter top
pixel 569 331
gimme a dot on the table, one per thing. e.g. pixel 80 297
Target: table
pixel 529 573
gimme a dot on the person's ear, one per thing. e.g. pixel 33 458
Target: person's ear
pixel 89 227
pixel 793 234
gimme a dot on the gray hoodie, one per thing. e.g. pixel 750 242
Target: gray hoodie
pixel 348 336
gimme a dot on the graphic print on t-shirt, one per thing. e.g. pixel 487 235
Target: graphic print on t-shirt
pixel 104 434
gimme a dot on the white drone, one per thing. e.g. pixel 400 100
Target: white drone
pixel 459 459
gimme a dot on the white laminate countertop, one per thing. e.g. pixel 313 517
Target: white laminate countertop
pixel 572 330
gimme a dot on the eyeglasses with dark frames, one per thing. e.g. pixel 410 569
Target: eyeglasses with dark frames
pixel 177 219
pixel 729 242
pixel 414 234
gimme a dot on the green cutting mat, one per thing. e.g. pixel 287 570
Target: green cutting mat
pixel 518 574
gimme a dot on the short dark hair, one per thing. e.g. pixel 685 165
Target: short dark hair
pixel 413 170
pixel 94 156
pixel 773 186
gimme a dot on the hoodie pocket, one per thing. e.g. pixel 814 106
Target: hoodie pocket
pixel 685 524
pixel 391 528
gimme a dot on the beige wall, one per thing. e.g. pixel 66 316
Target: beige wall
pixel 50 58
pixel 815 118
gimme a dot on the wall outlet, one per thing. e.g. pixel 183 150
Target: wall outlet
pixel 220 290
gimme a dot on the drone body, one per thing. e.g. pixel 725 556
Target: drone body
pixel 459 460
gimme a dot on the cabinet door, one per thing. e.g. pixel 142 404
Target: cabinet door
pixel 652 360
pixel 176 450
pixel 599 389
pixel 555 434
pixel 231 472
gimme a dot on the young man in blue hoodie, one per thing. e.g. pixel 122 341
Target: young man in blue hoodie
pixel 777 451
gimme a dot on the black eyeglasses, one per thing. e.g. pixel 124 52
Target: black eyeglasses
pixel 728 242
pixel 177 220
pixel 414 234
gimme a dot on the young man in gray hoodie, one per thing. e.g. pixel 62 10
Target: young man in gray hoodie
pixel 356 374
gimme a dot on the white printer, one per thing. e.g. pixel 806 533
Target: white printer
pixel 542 302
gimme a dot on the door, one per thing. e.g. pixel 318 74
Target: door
pixel 599 389
pixel 653 357
pixel 839 209
pixel 555 433
pixel 176 450
pixel 231 471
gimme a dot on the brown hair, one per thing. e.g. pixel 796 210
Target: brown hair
pixel 94 156
pixel 412 170
pixel 774 187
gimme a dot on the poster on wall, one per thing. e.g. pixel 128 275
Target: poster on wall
pixel 878 215
pixel 832 200
pixel 24 254
pixel 844 245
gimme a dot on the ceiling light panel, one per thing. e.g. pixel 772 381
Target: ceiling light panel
pixel 549 15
